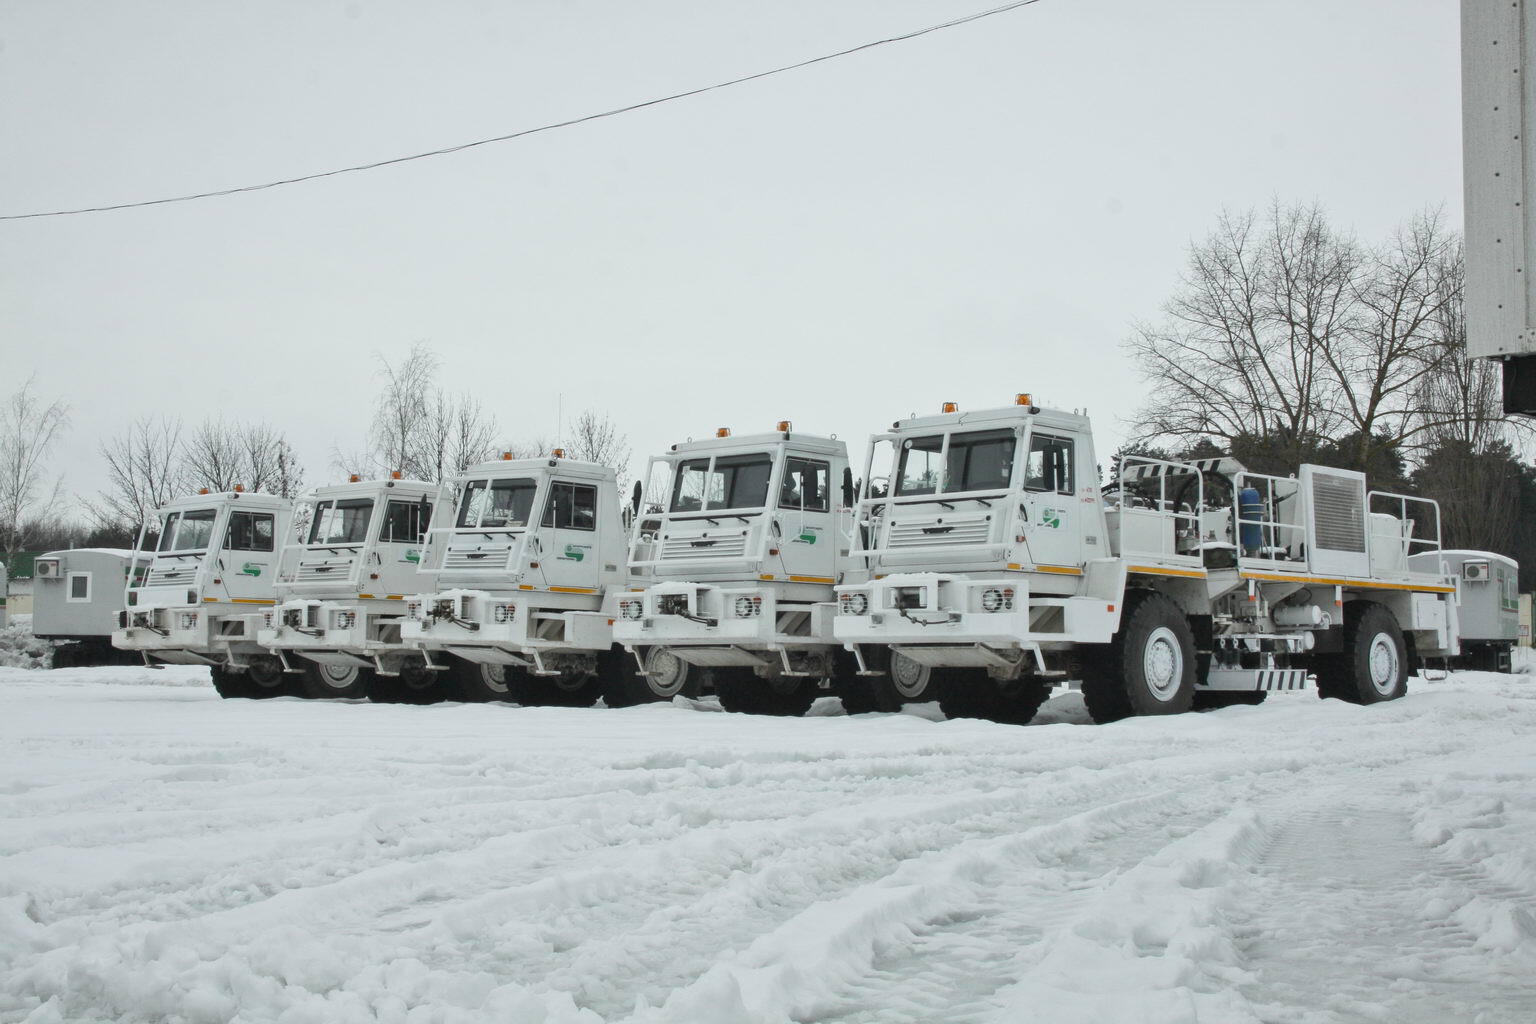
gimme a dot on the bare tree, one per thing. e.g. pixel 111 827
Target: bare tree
pixel 219 455
pixel 595 438
pixel 28 430
pixel 144 471
pixel 418 428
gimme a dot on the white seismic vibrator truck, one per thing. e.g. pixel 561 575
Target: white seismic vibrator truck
pixel 734 554
pixel 1000 566
pixel 210 574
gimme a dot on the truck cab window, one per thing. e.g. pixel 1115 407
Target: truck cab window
pixel 807 484
pixel 249 531
pixel 980 461
pixel 1050 464
pixel 341 522
pixel 571 507
pixel 404 522
pixel 918 472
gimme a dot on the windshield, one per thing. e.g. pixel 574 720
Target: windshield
pixel 730 481
pixel 341 522
pixel 187 531
pixel 496 504
pixel 977 461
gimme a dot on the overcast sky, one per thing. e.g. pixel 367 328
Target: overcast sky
pixel 977 212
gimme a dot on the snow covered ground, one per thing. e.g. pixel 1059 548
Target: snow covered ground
pixel 167 856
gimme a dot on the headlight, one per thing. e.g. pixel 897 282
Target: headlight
pixel 746 607
pixel 631 609
pixel 505 612
pixel 994 599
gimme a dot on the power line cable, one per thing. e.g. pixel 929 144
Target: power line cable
pixel 964 20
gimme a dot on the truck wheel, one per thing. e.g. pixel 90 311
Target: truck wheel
pixel 1373 666
pixel 904 682
pixel 668 676
pixel 860 694
pixel 567 690
pixel 971 693
pixel 474 683
pixel 416 684
pixel 741 691
pixel 1210 700
pixel 265 678
pixel 1148 668
pixel 339 682
pixel 229 683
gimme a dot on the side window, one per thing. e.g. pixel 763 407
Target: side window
pixel 79 586
pixel 571 507
pixel 250 531
pixel 808 482
pixel 1050 464
pixel 404 522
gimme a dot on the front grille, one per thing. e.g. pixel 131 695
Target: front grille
pixel 1338 506
pixel 169 576
pixel 935 531
pixel 479 557
pixel 324 571
pixel 711 546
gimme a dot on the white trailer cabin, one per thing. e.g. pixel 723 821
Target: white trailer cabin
pixel 76 597
pixel 1488 604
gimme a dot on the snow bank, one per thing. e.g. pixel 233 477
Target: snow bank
pixel 20 649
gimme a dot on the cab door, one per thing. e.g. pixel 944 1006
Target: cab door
pixel 248 560
pixel 568 538
pixel 1054 516
pixel 808 539
pixel 397 555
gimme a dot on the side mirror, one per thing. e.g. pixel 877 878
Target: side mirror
pixel 634 499
pixel 847 487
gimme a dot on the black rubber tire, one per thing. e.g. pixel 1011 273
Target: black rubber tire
pixel 570 690
pixel 742 691
pixel 1373 666
pixel 971 693
pixel 1116 684
pixel 334 682
pixel 1212 700
pixel 474 683
pixel 624 686
pixel 263 680
pixel 416 684
pixel 902 681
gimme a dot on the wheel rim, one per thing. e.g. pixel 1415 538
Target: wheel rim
pixel 337 677
pixel 666 673
pixel 908 677
pixel 1383 664
pixel 265 673
pixel 494 678
pixel 1163 664
pixel 416 678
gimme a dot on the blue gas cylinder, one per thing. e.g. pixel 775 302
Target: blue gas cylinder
pixel 1250 506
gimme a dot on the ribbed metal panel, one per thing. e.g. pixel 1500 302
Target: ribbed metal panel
pixel 940 531
pixel 1338 508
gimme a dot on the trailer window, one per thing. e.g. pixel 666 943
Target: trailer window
pixel 919 469
pixel 249 531
pixel 982 461
pixel 807 485
pixel 187 531
pixel 341 522
pixel 79 586
pixel 571 507
pixel 1050 464
pixel 405 522
pixel 731 481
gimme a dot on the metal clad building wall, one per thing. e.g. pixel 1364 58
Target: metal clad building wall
pixel 1338 506
pixel 1496 95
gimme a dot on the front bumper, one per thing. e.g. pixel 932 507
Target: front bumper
pixel 335 632
pixel 493 628
pixel 206 634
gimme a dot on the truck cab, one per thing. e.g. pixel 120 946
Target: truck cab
pixel 527 570
pixel 207 575
pixel 734 553
pixel 342 585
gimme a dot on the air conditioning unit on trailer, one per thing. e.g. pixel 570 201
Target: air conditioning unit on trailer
pixel 1474 572
pixel 46 569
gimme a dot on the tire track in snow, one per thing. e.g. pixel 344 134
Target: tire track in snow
pixel 1350 919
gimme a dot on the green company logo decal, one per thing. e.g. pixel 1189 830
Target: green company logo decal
pixel 413 555
pixel 808 535
pixel 574 552
pixel 807 538
pixel 1051 517
pixel 251 569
